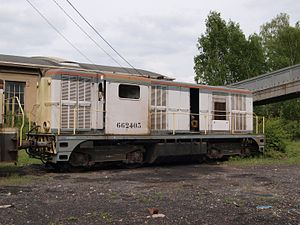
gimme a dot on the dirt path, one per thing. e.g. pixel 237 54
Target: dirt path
pixel 185 194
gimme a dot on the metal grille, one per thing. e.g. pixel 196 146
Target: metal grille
pixel 84 117
pixel 73 90
pixel 153 90
pixel 164 96
pixel 158 96
pixel 64 116
pixel 76 102
pixel 239 121
pixel 238 106
pixel 158 108
pixel 64 89
pixel 238 102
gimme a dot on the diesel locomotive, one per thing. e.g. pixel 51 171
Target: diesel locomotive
pixel 86 117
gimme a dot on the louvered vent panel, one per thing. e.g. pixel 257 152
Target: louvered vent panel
pixel 163 120
pixel 65 89
pixel 71 116
pixel 164 96
pixel 81 85
pixel 81 117
pixel 158 97
pixel 153 90
pixel 158 111
pixel 88 91
pixel 76 102
pixel 87 117
pixel 84 117
pixel 64 116
pixel 153 120
pixel 239 121
pixel 73 90
pixel 233 102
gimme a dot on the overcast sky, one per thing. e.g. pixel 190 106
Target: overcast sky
pixel 155 35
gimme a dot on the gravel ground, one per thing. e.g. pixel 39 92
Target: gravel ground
pixel 184 194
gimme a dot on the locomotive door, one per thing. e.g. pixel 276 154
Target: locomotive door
pixel 100 105
pixel 127 109
pixel 194 109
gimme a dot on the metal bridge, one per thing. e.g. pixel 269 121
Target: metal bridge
pixel 275 86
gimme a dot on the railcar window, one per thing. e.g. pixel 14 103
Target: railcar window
pixel 220 111
pixel 129 91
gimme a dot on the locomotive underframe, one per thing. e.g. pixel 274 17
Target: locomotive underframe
pixel 86 150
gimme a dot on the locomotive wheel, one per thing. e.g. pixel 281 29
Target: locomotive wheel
pixel 79 159
pixel 215 154
pixel 135 157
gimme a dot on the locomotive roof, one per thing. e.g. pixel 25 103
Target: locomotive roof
pixel 52 62
pixel 145 80
pixel 56 65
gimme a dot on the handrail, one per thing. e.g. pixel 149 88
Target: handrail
pixel 23 120
pixel 208 117
pixel 22 113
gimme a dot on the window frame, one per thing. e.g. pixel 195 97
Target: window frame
pixel 128 98
pixel 220 114
pixel 7 94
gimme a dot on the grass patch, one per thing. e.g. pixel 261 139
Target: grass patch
pixel 291 156
pixel 14 174
pixel 23 160
pixel 16 179
pixel 72 219
pixel 105 216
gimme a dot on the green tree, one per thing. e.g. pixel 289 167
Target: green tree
pixel 225 54
pixel 256 57
pixel 281 42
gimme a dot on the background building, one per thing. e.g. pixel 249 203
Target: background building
pixel 21 74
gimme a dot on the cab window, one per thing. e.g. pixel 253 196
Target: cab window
pixel 129 91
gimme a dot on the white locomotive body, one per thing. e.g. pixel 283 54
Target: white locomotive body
pixel 86 117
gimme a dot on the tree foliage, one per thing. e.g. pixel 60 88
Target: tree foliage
pixel 281 42
pixel 226 55
pixel 276 135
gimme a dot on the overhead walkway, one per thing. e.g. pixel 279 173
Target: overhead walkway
pixel 275 86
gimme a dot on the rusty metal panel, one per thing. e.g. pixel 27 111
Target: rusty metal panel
pixel 8 145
